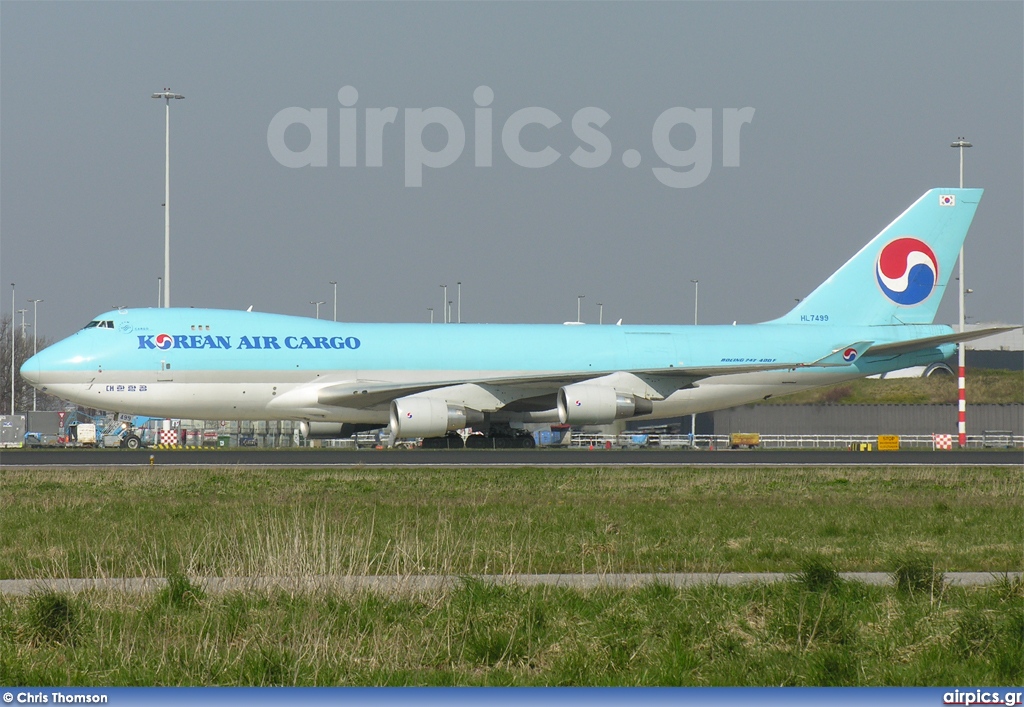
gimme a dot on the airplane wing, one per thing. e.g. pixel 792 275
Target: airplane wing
pixel 536 391
pixel 900 347
pixel 362 394
pixel 658 383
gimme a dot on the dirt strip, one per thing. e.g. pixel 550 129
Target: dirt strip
pixel 430 583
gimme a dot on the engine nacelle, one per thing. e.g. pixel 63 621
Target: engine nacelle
pixel 428 417
pixel 589 404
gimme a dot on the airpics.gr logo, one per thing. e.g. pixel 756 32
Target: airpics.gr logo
pixel 907 271
pixel 527 137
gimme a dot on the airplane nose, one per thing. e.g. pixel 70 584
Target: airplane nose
pixel 30 371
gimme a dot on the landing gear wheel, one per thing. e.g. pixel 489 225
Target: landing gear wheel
pixel 449 441
pixel 527 442
pixel 478 442
pixel 500 441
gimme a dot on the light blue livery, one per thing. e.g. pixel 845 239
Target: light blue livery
pixel 873 315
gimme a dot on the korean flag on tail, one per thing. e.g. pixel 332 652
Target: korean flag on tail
pixel 947 200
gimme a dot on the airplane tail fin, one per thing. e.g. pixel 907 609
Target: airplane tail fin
pixel 901 275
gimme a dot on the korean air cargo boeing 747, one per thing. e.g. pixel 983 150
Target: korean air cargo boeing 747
pixel 873 315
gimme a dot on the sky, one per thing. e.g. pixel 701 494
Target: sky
pixel 754 147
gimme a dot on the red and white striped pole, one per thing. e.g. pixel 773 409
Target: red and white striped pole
pixel 962 421
pixel 961 143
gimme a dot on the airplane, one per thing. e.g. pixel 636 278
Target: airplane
pixel 873 315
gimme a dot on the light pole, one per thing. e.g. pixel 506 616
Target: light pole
pixel 693 415
pixel 600 313
pixel 167 95
pixel 444 303
pixel 335 283
pixel 12 348
pixel 159 291
pixel 449 311
pixel 20 312
pixel 579 301
pixel 35 340
pixel 696 285
pixel 317 304
pixel 960 144
pixel 459 298
pixel 431 310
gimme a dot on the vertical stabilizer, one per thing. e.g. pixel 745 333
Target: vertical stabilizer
pixel 901 275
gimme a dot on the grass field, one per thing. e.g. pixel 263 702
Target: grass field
pixel 794 633
pixel 815 629
pixel 983 386
pixel 253 522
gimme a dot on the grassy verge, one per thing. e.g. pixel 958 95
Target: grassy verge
pixel 813 630
pixel 233 522
pixel 802 632
pixel 983 386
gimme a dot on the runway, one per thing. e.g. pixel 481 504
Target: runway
pixel 11 458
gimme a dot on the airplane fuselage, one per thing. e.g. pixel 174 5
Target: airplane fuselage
pixel 217 364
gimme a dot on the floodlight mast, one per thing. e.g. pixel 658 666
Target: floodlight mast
pixel 12 348
pixel 961 143
pixel 167 95
pixel 693 416
pixel 35 341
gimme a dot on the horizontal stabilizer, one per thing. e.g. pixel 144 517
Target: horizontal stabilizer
pixel 901 347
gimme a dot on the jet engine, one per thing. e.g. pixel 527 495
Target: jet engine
pixel 588 404
pixel 414 416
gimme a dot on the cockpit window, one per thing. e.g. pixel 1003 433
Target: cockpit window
pixel 100 324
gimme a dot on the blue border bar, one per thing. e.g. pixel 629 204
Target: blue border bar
pixel 536 697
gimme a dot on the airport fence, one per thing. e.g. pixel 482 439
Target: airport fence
pixel 989 439
pixel 284 434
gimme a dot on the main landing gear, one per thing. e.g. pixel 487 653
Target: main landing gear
pixel 507 439
pixel 450 441
pixel 516 439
